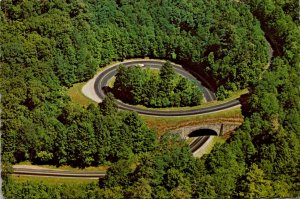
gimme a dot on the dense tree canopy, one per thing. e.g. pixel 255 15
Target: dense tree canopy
pixel 136 85
pixel 84 137
pixel 46 46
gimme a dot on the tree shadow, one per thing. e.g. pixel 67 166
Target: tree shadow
pixel 198 68
pixel 107 89
pixel 244 100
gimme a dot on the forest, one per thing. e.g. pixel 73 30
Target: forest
pixel 47 46
pixel 135 85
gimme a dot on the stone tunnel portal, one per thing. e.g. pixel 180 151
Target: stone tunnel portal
pixel 203 132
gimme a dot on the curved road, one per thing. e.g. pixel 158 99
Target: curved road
pixel 101 81
pixel 103 78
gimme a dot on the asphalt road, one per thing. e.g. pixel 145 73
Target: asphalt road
pixel 196 144
pixel 103 79
pixel 57 173
pixel 101 82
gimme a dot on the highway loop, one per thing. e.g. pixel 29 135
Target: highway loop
pixel 105 76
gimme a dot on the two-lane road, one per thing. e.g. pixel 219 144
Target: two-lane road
pixel 103 78
pixel 36 171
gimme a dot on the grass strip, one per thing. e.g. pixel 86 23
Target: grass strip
pixel 165 124
pixel 51 180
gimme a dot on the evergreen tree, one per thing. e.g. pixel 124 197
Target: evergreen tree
pixel 108 106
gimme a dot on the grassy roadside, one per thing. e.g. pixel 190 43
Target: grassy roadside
pixel 51 180
pixel 76 94
pixel 78 97
pixel 236 95
pixel 75 91
pixel 165 124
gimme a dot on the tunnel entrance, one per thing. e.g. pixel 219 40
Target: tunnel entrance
pixel 203 132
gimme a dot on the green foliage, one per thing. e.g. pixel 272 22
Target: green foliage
pixel 167 72
pixel 94 138
pixel 266 147
pixel 257 185
pixel 29 190
pixel 164 173
pixel 108 106
pixel 49 45
pixel 46 46
pixel 141 86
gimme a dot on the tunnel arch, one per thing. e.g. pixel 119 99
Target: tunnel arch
pixel 203 132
